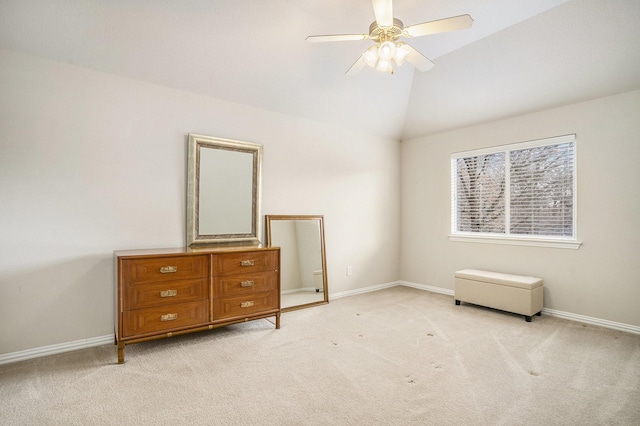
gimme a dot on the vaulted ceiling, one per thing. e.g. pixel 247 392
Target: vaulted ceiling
pixel 519 56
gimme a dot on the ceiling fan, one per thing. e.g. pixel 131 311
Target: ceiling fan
pixel 386 31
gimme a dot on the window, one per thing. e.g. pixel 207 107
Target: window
pixel 522 193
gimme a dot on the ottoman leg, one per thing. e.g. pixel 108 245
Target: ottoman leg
pixel 457 302
pixel 527 318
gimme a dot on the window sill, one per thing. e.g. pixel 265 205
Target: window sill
pixel 518 241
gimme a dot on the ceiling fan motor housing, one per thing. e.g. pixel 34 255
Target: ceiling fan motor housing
pixel 378 33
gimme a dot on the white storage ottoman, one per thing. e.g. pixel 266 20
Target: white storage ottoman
pixel 512 293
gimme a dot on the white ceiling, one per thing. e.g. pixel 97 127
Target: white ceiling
pixel 519 56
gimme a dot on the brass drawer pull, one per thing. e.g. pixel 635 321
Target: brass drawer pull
pixel 169 293
pixel 246 304
pixel 246 284
pixel 246 263
pixel 168 269
pixel 169 317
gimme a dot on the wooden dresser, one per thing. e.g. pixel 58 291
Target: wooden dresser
pixel 167 292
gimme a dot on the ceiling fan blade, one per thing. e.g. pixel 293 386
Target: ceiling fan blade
pixel 383 9
pixel 417 59
pixel 455 23
pixel 356 67
pixel 336 37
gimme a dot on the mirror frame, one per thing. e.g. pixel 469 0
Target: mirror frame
pixel 320 219
pixel 195 145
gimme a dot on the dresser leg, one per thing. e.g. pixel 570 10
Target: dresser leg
pixel 120 352
pixel 277 320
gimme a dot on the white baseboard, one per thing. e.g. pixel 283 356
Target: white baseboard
pixel 425 287
pixel 57 349
pixel 620 326
pixel 300 289
pixel 363 290
pixel 109 338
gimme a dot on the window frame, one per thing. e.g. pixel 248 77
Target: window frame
pixel 569 242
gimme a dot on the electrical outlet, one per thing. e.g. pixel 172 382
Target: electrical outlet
pixel 349 270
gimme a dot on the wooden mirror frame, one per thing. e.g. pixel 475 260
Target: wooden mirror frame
pixel 325 289
pixel 196 144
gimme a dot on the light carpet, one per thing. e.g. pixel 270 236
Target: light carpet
pixel 398 356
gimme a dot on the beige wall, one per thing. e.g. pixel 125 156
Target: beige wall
pixel 602 278
pixel 91 163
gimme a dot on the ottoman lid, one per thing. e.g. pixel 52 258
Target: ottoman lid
pixel 520 281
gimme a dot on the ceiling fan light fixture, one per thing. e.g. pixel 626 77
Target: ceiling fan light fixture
pixel 387 50
pixel 370 56
pixel 384 65
pixel 382 56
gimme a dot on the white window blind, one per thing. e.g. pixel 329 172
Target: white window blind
pixel 481 188
pixel 525 189
pixel 541 190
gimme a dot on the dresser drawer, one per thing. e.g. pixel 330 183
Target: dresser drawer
pixel 164 318
pixel 238 306
pixel 245 262
pixel 165 293
pixel 136 271
pixel 231 285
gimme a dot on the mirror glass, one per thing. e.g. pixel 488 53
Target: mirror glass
pixel 303 269
pixel 223 190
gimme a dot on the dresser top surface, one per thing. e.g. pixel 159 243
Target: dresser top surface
pixel 193 250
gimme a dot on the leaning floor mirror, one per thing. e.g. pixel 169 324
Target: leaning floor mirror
pixel 303 268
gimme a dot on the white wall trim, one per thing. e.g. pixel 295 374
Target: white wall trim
pixel 517 241
pixel 593 321
pixel 363 290
pixel 58 348
pixel 425 287
pixel 109 338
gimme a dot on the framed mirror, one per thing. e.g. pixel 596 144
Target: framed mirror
pixel 223 190
pixel 303 266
